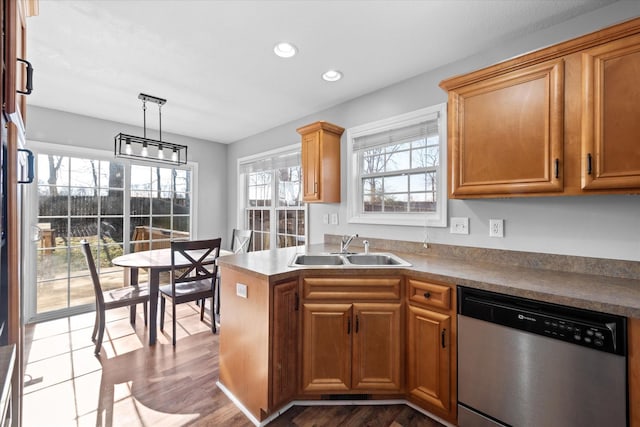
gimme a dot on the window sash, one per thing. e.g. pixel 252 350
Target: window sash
pixel 406 203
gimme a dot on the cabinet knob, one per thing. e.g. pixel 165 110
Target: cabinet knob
pixel 427 295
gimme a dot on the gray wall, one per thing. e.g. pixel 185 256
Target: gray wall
pixel 58 127
pixel 595 226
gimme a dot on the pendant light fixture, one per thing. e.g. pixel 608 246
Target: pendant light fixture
pixel 135 147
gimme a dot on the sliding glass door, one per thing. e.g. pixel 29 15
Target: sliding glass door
pixel 116 206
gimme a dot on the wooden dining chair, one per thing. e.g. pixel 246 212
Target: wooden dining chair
pixel 193 283
pixel 241 240
pixel 113 298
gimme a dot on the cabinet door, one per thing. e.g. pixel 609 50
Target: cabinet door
pixel 284 362
pixel 429 359
pixel 506 133
pixel 376 347
pixel 326 353
pixel 311 166
pixel 610 115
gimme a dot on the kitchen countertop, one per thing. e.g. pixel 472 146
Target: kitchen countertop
pixel 606 294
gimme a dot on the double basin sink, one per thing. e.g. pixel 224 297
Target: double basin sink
pixel 377 259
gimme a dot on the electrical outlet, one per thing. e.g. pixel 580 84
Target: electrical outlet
pixel 496 228
pixel 459 225
pixel 334 219
pixel 325 218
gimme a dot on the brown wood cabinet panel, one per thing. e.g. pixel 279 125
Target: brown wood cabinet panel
pixel 244 340
pixel 611 112
pixel 429 294
pixel 506 133
pixel 284 342
pixel 429 367
pixel 376 347
pixel 311 166
pixel 321 162
pixel 326 353
pixel 342 288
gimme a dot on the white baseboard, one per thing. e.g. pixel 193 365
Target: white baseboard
pixel 282 410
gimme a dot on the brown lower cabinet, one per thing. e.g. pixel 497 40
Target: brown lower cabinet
pixel 431 347
pixel 351 348
pixel 307 337
pixel 352 340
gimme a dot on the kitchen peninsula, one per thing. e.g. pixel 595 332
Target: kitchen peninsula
pixel 273 340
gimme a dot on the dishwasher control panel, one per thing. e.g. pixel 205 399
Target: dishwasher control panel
pixel 600 331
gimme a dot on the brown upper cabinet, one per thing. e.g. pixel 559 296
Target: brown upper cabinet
pixel 611 115
pixel 321 162
pixel 559 121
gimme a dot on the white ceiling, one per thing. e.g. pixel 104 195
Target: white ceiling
pixel 214 63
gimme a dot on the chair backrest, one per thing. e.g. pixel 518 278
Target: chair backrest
pixel 201 256
pixel 86 249
pixel 241 241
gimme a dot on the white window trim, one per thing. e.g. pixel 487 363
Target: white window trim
pixel 240 203
pixel 354 199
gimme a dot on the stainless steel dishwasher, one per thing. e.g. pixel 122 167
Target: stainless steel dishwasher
pixel 529 363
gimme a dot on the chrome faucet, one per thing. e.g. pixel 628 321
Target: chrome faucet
pixel 345 242
pixel 366 246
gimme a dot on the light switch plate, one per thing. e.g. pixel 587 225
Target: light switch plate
pixel 325 218
pixel 459 225
pixel 334 218
pixel 241 290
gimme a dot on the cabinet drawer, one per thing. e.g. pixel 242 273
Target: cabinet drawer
pixel 338 288
pixel 429 294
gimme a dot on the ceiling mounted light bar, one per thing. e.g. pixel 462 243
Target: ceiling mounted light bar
pixel 135 147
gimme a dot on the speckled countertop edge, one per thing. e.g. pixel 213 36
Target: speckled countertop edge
pixel 606 294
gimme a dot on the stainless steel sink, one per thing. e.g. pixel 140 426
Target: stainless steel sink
pixel 348 260
pixel 322 259
pixel 374 259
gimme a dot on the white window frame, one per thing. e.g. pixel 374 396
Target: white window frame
pixel 242 193
pixel 354 191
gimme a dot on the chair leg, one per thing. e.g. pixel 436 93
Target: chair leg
pixel 217 297
pixel 174 322
pixel 95 325
pixel 162 305
pixel 144 308
pixel 202 310
pixel 132 314
pixel 101 327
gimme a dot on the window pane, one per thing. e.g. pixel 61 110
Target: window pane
pixel 398 160
pixel 111 230
pixel 111 175
pixel 112 203
pixel 51 202
pixel 395 184
pixel 81 205
pixel 53 170
pixel 418 182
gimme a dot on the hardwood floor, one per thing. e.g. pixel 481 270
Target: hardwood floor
pixel 132 384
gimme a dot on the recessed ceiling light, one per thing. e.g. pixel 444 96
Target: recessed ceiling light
pixel 285 50
pixel 332 76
